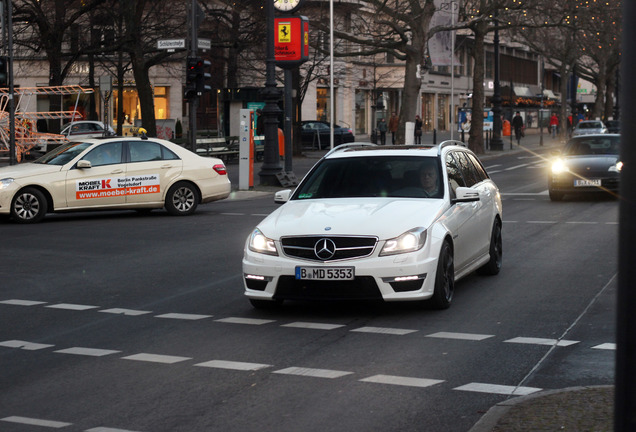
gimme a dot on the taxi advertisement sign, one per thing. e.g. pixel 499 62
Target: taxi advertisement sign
pixel 117 186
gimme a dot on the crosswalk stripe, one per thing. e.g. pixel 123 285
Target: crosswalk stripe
pixel 541 341
pixel 70 306
pixel 461 336
pixel 18 302
pixel 316 373
pixel 315 326
pixel 182 316
pixel 35 422
pixel 498 389
pixel 384 330
pixel 234 365
pixel 605 346
pixel 249 321
pixel 29 346
pixel 156 358
pixel 129 312
pixel 93 352
pixel 402 381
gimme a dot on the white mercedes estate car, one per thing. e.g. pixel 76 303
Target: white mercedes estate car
pixel 112 173
pixel 392 223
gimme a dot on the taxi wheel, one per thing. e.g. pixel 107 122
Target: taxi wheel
pixel 182 199
pixel 28 206
pixel 444 278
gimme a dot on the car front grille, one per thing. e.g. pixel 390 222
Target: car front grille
pixel 361 288
pixel 328 248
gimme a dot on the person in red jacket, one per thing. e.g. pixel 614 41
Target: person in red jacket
pixel 554 124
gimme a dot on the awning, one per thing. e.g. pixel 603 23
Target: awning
pixel 550 94
pixel 521 91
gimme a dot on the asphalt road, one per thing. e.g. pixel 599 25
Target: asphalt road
pixel 123 322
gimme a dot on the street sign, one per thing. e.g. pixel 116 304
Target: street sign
pixel 171 44
pixel 204 44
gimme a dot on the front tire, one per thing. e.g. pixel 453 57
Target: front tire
pixel 555 196
pixel 493 266
pixel 444 279
pixel 182 199
pixel 29 206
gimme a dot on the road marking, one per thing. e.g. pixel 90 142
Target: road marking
pixel 233 214
pixel 461 336
pixel 129 312
pixel 191 317
pixel 36 422
pixel 498 389
pixel 542 222
pixel 243 366
pixel 582 223
pixel 18 302
pixel 156 358
pixel 28 346
pixel 384 330
pixel 105 429
pixel 492 166
pixel 316 326
pixel 541 341
pixel 70 306
pixel 249 321
pixel 516 167
pixel 402 381
pixel 93 352
pixel 316 373
pixel 524 193
pixel 605 346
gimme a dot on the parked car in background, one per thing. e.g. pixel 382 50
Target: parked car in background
pixel 613 126
pixel 112 174
pixel 587 127
pixel 589 163
pixel 392 223
pixel 316 134
pixel 86 129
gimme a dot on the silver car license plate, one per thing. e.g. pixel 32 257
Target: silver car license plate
pixel 325 273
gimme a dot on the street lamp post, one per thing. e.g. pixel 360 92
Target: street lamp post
pixel 496 143
pixel 271 94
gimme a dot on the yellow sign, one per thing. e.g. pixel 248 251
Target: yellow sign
pixel 284 32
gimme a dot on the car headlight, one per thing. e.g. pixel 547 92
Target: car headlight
pixel 616 167
pixel 410 241
pixel 559 166
pixel 5 182
pixel 261 244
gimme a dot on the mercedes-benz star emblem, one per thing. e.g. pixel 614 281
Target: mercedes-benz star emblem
pixel 325 249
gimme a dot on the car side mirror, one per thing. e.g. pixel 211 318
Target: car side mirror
pixel 84 164
pixel 281 197
pixel 465 194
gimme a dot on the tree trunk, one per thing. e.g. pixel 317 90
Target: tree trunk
pixel 476 135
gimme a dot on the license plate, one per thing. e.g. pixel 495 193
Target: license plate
pixel 586 182
pixel 325 273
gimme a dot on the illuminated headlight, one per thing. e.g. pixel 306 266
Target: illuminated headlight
pixel 5 182
pixel 559 167
pixel 261 244
pixel 616 168
pixel 410 241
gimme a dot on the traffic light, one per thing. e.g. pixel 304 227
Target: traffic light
pixel 192 65
pixel 203 76
pixel 4 71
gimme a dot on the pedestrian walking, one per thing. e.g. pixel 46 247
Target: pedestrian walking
pixel 394 122
pixel 382 129
pixel 517 125
pixel 554 124
pixel 418 130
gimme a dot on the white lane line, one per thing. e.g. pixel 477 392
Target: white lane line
pixel 234 365
pixel 70 306
pixel 611 223
pixel 93 352
pixel 180 316
pixel 516 167
pixel 402 381
pixel 384 330
pixel 582 223
pixel 492 166
pixel 249 321
pixel 260 214
pixel 106 429
pixel 36 422
pixel 605 346
pixel 18 302
pixel 541 222
pixel 233 214
pixel 315 326
pixel 542 341
pixel 29 346
pixel 316 373
pixel 129 312
pixel 461 336
pixel 156 358
pixel 498 389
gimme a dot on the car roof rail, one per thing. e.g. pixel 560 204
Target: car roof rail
pixel 347 146
pixel 447 143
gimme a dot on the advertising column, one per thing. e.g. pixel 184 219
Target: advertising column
pixel 246 149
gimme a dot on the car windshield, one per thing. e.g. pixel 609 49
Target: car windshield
pixel 378 176
pixel 589 125
pixel 63 154
pixel 593 146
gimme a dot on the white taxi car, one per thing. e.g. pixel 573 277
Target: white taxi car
pixel 395 223
pixel 112 173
